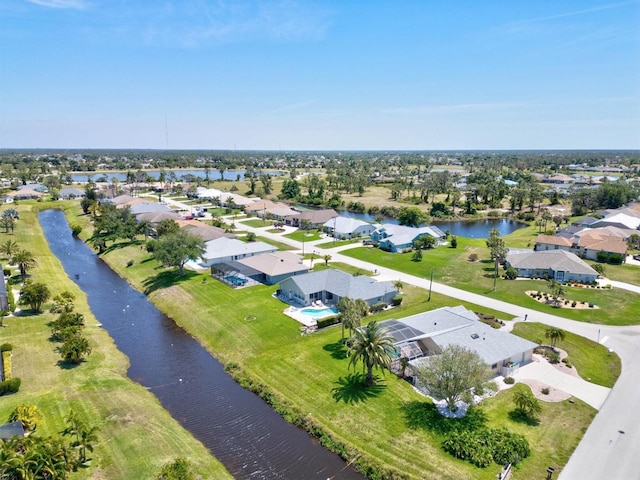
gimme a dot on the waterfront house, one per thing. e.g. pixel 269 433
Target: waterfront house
pixel 223 249
pixel 329 286
pixel 428 333
pixel 398 238
pixel 346 227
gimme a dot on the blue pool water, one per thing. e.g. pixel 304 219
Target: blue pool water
pixel 319 312
pixel 232 279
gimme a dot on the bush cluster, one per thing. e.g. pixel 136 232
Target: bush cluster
pixel 509 380
pixel 483 446
pixel 10 386
pixel 396 301
pixel 328 321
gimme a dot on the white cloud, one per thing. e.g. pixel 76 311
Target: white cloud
pixel 73 4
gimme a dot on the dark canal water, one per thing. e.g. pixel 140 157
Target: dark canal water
pixel 239 429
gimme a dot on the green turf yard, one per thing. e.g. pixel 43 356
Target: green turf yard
pixel 311 372
pixel 594 362
pixel 137 436
pixel 257 222
pixel 452 267
pixel 304 235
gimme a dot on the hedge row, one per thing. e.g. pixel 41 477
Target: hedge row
pixel 10 386
pixel 365 465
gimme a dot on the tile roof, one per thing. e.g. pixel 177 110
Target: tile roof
pixel 342 284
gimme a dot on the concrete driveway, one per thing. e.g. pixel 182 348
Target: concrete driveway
pixel 542 371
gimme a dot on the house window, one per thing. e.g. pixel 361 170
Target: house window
pixel 494 366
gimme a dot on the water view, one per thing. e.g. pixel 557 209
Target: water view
pixel 238 427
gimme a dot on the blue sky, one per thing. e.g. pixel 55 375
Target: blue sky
pixel 297 75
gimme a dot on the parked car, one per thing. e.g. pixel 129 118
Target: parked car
pixel 636 257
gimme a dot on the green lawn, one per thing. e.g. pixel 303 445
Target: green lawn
pixel 257 222
pixel 319 264
pixel 279 245
pixel 137 435
pixel 452 267
pixel 304 235
pixel 594 362
pixel 338 243
pixel 311 372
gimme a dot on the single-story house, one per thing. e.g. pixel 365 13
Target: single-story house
pixel 35 187
pixel 260 205
pixel 157 217
pixel 279 212
pixel 71 193
pixel 620 220
pixel 587 243
pixel 560 265
pixel 206 232
pixel 313 218
pixel 397 238
pixel 420 336
pixel 148 207
pixel 272 268
pixel 329 286
pixel 121 199
pixel 25 194
pixel 223 250
pixel 346 227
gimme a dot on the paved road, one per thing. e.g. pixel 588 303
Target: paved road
pixel 610 448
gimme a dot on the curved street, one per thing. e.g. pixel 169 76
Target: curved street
pixel 611 446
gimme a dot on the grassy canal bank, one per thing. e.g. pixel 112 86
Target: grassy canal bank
pixel 136 435
pixel 388 428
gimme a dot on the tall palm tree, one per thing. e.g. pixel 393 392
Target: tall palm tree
pixel 25 261
pixel 373 346
pixel 554 334
pixel 350 313
pixel 8 248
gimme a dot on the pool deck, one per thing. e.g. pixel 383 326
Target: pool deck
pixel 306 320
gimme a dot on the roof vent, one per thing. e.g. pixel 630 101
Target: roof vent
pixel 475 336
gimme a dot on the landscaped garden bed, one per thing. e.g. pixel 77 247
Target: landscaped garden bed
pixel 559 302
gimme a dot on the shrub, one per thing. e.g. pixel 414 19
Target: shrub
pixel 545 390
pixel 377 307
pixel 6 347
pixel 454 242
pixel 328 321
pixel 494 214
pixel 396 301
pixel 6 272
pixel 150 245
pixel 10 386
pixel 473 257
pixel 130 263
pixel 511 273
pixel 615 258
pixel 509 380
pixel 76 229
pixel 553 357
pixel 484 445
pixel 602 257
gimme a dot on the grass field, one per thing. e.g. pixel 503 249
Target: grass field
pixel 137 435
pixel 452 267
pixel 257 222
pixel 304 235
pixel 311 372
pixel 594 362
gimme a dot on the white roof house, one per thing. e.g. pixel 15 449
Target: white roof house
pixel 346 227
pixel 400 237
pixel 427 333
pixel 224 249
pixel 557 264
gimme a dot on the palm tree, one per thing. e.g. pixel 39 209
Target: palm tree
pixel 144 227
pixel 8 248
pixel 372 346
pixel 557 291
pixel 398 285
pixel 25 261
pixel 527 403
pixel 326 259
pixel 554 334
pixel 351 313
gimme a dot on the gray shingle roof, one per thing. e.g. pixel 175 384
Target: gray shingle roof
pixel 556 260
pixel 459 326
pixel 342 284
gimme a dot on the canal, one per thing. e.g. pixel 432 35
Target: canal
pixel 238 427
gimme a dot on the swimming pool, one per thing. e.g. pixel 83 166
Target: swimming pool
pixel 319 312
pixel 237 281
